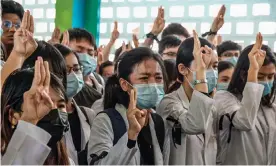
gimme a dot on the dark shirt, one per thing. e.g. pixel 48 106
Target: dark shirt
pixel 75 128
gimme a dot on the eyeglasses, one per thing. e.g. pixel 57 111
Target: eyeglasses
pixel 76 69
pixel 170 53
pixel 8 24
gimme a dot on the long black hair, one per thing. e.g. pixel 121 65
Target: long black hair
pixel 113 92
pixel 239 77
pixel 51 54
pixel 185 56
pixel 13 90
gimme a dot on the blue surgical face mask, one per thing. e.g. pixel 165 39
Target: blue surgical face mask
pixel 149 95
pixel 267 87
pixel 232 60
pixel 212 78
pixel 74 84
pixel 89 63
pixel 222 86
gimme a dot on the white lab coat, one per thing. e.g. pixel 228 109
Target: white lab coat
pixel 85 132
pixel 98 106
pixel 119 154
pixel 253 136
pixel 196 118
pixel 28 146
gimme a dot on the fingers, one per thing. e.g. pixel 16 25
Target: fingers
pixel 65 39
pixel 42 72
pixel 46 83
pixel 115 26
pixel 31 29
pixel 24 20
pixel 222 11
pixel 28 20
pixel 162 12
pixel 196 40
pixel 47 101
pixel 37 76
pixel 132 103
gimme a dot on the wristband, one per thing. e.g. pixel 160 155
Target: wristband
pixel 209 33
pixel 152 36
pixel 203 81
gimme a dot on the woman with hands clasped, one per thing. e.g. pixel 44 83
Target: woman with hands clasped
pixel 187 111
pixel 247 115
pixel 128 131
pixel 34 118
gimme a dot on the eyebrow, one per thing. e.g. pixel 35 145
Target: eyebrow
pixel 266 74
pixel 157 73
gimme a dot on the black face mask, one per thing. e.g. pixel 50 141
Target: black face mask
pixel 56 124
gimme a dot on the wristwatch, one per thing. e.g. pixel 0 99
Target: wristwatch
pixel 203 81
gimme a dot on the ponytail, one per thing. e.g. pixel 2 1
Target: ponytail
pixel 174 87
pixel 114 94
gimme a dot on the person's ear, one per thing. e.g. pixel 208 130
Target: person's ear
pixel 13 117
pixel 183 70
pixel 124 85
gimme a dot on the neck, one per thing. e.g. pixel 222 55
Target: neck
pixel 188 90
pixel 8 49
pixel 69 106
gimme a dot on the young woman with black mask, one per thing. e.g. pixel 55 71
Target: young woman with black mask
pixel 247 115
pixel 187 111
pixel 80 118
pixel 128 132
pixel 34 118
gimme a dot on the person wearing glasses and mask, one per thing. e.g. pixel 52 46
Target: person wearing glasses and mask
pixel 80 118
pixel 12 14
pixel 168 47
pixel 83 43
pixel 229 51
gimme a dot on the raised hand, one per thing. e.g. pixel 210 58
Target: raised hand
pixel 65 39
pixel 55 36
pixel 256 55
pixel 115 33
pixel 136 118
pixel 202 59
pixel 135 40
pixel 37 102
pixel 219 20
pixel 159 22
pixel 24 43
pixel 125 48
pixel 100 55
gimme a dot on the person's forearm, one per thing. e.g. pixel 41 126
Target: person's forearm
pixel 211 38
pixel 106 50
pixel 148 42
pixel 14 62
pixel 202 87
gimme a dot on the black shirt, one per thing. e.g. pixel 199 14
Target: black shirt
pixel 75 128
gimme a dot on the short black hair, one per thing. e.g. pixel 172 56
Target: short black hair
pixel 168 42
pixel 175 29
pixel 81 34
pixel 104 65
pixel 228 45
pixel 12 7
pixel 170 65
pixel 224 65
pixel 65 51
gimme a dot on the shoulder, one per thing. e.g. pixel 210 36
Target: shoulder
pixel 225 102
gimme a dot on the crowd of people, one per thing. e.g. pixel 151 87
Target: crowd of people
pixel 197 101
